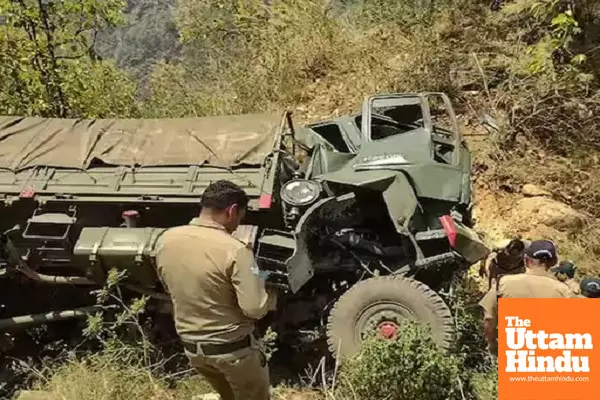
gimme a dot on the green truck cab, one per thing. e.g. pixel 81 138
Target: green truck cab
pixel 359 222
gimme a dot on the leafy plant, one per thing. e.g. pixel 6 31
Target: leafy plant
pixel 411 367
pixel 49 66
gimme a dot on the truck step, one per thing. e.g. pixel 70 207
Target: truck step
pixel 48 236
pixel 430 235
pixel 50 226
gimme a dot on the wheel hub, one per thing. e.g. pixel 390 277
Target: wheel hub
pixel 388 330
pixel 386 324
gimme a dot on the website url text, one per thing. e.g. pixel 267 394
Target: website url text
pixel 549 379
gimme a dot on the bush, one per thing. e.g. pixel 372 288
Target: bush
pixel 484 385
pixel 409 368
pixel 48 66
pixel 479 368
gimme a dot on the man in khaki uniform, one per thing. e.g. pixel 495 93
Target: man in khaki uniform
pixel 536 282
pixel 217 295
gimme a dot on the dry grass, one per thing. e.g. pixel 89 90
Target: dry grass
pixel 306 54
pixel 108 375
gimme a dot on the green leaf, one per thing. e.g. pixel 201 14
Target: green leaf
pixel 579 59
pixel 560 19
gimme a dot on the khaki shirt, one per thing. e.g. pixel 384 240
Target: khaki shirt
pixel 537 283
pixel 213 282
pixel 574 286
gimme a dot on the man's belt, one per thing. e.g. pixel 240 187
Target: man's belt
pixel 217 349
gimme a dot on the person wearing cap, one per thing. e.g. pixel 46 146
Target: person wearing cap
pixel 505 259
pixel 536 282
pixel 218 294
pixel 565 272
pixel 590 287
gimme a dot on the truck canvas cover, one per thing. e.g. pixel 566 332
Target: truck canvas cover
pixel 221 141
pixel 133 160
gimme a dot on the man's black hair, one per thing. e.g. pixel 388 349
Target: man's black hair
pixel 516 245
pixel 221 194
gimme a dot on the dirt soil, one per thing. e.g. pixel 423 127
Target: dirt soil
pixel 531 212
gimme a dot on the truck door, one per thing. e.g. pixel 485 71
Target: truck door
pixel 418 132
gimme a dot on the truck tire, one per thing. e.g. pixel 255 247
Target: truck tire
pixel 381 303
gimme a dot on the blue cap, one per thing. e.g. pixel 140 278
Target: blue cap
pixel 590 287
pixel 541 250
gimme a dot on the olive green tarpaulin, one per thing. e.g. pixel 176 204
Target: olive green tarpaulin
pixel 225 141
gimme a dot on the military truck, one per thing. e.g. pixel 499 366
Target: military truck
pixel 358 221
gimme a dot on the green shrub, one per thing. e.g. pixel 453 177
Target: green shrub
pixel 48 66
pixel 412 367
pixel 470 345
pixel 479 368
pixel 484 385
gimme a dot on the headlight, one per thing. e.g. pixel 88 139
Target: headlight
pixel 300 192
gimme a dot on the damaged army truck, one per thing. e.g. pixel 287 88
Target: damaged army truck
pixel 359 221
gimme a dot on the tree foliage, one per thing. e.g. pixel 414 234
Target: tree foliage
pixel 149 35
pixel 48 64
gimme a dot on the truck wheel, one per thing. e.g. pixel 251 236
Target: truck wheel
pixel 380 305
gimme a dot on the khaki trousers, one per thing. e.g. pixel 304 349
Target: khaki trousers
pixel 241 375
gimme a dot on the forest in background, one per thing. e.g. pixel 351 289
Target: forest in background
pixel 147 36
pixel 199 57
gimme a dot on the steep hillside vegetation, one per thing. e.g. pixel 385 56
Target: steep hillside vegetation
pixel 147 36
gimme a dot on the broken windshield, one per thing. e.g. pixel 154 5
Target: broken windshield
pixel 391 116
pixel 384 117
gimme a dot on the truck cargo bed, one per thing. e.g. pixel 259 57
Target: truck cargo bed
pixel 124 184
pixel 154 160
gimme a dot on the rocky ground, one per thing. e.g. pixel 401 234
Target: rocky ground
pixel 529 211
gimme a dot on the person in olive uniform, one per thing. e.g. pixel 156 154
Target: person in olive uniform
pixel 217 295
pixel 504 260
pixel 565 272
pixel 536 282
